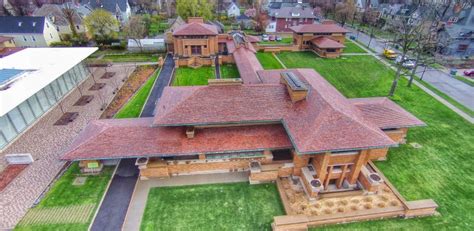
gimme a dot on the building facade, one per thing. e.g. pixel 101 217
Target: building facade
pixel 29 31
pixel 34 80
pixel 286 17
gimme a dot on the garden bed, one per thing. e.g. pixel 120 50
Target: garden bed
pixel 131 85
pixel 9 173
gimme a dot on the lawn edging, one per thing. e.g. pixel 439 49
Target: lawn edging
pixel 103 196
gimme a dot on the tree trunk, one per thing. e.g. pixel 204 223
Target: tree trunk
pixel 412 75
pixel 397 76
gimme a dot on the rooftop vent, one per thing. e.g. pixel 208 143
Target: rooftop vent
pixel 296 88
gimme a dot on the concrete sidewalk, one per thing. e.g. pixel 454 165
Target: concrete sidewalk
pixel 137 205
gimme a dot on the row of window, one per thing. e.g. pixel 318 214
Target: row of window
pixel 18 119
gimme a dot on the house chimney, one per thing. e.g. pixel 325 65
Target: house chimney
pixel 195 19
pixel 296 88
pixel 190 131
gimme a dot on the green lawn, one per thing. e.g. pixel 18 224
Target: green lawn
pixel 234 206
pixel 283 41
pixel 134 107
pixel 229 71
pixel 351 47
pixel 64 194
pixel 186 76
pixel 268 61
pixel 132 57
pixel 441 169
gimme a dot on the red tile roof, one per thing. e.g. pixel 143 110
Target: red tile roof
pixel 324 42
pixel 122 138
pixel 195 28
pixel 318 28
pixel 247 63
pixel 253 39
pixel 385 113
pixel 325 121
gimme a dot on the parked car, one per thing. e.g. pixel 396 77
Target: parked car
pixel 271 37
pixel 389 54
pixel 409 64
pixel 278 38
pixel 399 59
pixel 264 37
pixel 469 73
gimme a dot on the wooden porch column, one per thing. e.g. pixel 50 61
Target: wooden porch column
pixel 328 176
pixel 299 161
pixel 321 165
pixel 361 161
pixel 341 179
pixel 202 156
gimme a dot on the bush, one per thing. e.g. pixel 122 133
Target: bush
pixel 61 44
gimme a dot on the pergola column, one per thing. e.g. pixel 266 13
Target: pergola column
pixel 299 161
pixel 361 161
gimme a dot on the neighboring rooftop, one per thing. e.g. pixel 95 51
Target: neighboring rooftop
pixel 324 42
pixel 55 13
pixel 5 38
pixel 21 25
pixel 41 66
pixel 318 28
pixel 294 12
pixel 109 5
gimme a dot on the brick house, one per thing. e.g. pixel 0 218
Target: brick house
pixel 326 39
pixel 289 123
pixel 286 17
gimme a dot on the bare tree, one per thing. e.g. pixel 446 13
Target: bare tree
pixel 407 28
pixel 69 14
pixel 135 29
pixel 102 97
pixel 344 11
pixel 261 18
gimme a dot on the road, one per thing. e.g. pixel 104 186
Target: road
pixel 459 91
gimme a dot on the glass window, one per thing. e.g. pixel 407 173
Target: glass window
pixel 17 119
pixel 50 93
pixel 43 99
pixel 3 142
pixel 56 90
pixel 62 85
pixel 68 77
pixel 196 50
pixel 35 106
pixel 26 112
pixel 7 128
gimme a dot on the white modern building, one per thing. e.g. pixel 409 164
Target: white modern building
pixel 33 81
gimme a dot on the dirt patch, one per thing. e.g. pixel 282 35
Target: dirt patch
pixel 108 75
pixel 85 99
pixel 132 84
pixel 9 173
pixel 67 118
pixel 97 86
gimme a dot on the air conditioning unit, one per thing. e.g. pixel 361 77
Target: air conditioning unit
pixel 374 178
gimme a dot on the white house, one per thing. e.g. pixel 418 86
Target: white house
pixel 55 14
pixel 119 8
pixel 155 44
pixel 29 31
pixel 233 10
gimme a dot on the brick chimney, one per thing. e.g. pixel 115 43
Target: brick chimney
pixel 297 89
pixel 195 19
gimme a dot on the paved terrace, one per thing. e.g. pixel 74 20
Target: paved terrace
pixel 46 143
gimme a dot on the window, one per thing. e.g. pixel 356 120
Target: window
pixel 330 50
pixel 26 112
pixel 195 50
pixel 43 99
pixel 35 106
pixel 463 47
pixel 33 38
pixel 24 38
pixel 184 157
pixel 7 128
pixel 47 25
pixel 17 119
pixel 205 46
pixel 235 155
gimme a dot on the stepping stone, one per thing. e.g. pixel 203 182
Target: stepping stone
pixel 80 180
pixel 416 145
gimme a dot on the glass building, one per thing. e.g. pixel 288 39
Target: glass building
pixel 29 110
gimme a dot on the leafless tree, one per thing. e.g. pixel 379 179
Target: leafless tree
pixel 102 97
pixel 408 28
pixel 344 11
pixel 135 29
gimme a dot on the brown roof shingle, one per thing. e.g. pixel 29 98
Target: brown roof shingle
pixel 122 138
pixel 324 42
pixel 318 28
pixel 195 28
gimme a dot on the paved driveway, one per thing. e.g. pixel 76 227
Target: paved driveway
pixel 114 207
pixel 162 81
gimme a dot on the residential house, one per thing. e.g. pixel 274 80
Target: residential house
pixel 325 39
pixel 245 22
pixel 6 41
pixel 230 8
pixel 148 44
pixel 457 35
pixel 56 15
pixel 29 31
pixel 119 8
pixel 273 5
pixel 286 17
